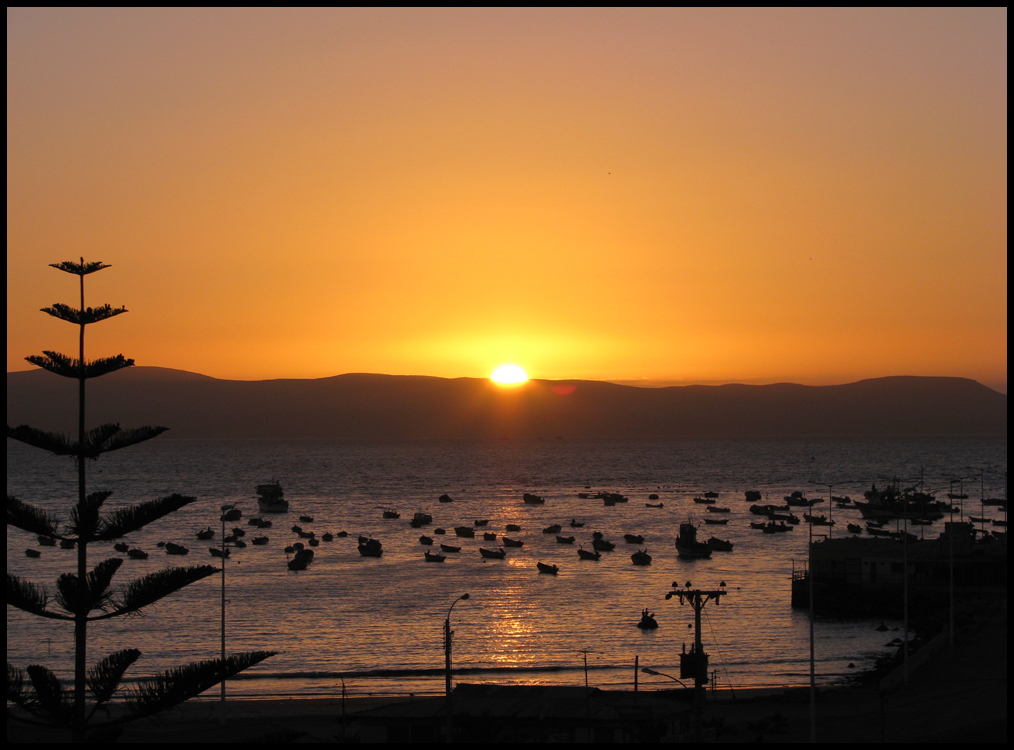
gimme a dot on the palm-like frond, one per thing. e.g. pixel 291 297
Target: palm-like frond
pixel 81 269
pixel 69 367
pixel 101 439
pixel 27 517
pixel 125 520
pixel 144 591
pixel 126 438
pixel 30 597
pixel 104 678
pixel 49 693
pixel 84 517
pixel 94 595
pixel 18 692
pixel 83 317
pixel 175 686
pixel 55 443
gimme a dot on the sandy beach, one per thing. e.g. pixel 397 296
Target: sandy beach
pixel 952 694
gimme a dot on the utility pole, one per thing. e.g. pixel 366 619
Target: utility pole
pixel 695 664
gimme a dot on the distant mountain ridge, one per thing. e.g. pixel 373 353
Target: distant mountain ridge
pixel 404 407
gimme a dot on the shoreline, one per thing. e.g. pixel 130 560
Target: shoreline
pixel 952 694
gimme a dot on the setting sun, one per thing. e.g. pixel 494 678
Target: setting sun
pixel 509 375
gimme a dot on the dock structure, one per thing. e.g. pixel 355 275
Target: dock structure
pixel 866 574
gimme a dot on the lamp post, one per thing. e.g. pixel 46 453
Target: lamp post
pixel 226 510
pixel 448 634
pixel 656 673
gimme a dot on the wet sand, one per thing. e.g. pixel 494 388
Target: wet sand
pixel 952 695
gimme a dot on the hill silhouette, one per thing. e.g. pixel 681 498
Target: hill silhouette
pixel 367 406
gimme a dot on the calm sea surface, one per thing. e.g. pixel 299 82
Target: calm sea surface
pixel 361 618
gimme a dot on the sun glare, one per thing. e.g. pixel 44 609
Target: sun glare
pixel 509 375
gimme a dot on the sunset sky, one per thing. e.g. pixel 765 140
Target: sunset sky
pixel 652 196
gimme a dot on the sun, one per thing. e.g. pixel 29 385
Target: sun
pixel 509 375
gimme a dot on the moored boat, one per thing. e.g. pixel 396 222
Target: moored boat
pixel 719 545
pixel 271 498
pixel 492 554
pixel 648 621
pixel 548 569
pixel 687 545
pixel 641 557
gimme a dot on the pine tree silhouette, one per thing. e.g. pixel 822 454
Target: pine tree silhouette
pixel 88 596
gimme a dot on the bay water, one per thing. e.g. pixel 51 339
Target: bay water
pixel 376 624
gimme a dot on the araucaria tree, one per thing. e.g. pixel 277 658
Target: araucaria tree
pixel 35 694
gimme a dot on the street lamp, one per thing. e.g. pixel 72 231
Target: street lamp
pixel 448 634
pixel 656 673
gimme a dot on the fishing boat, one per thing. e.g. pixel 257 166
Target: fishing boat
pixel 641 557
pixel 421 518
pixel 208 533
pixel 445 498
pixel 370 547
pixel 548 569
pixel 564 539
pixel 231 513
pixel 175 549
pixel 799 500
pixel 719 545
pixel 508 542
pixel 687 545
pixel 633 539
pixel 892 502
pixel 513 527
pixel 533 499
pixel 648 621
pixel 449 548
pixel 434 557
pixel 554 529
pixel 492 554
pixel 271 498
pixel 716 521
pixel 392 514
pixel 137 554
pixel 586 555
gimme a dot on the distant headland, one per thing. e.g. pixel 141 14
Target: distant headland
pixel 367 406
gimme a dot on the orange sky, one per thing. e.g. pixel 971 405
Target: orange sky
pixel 814 196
